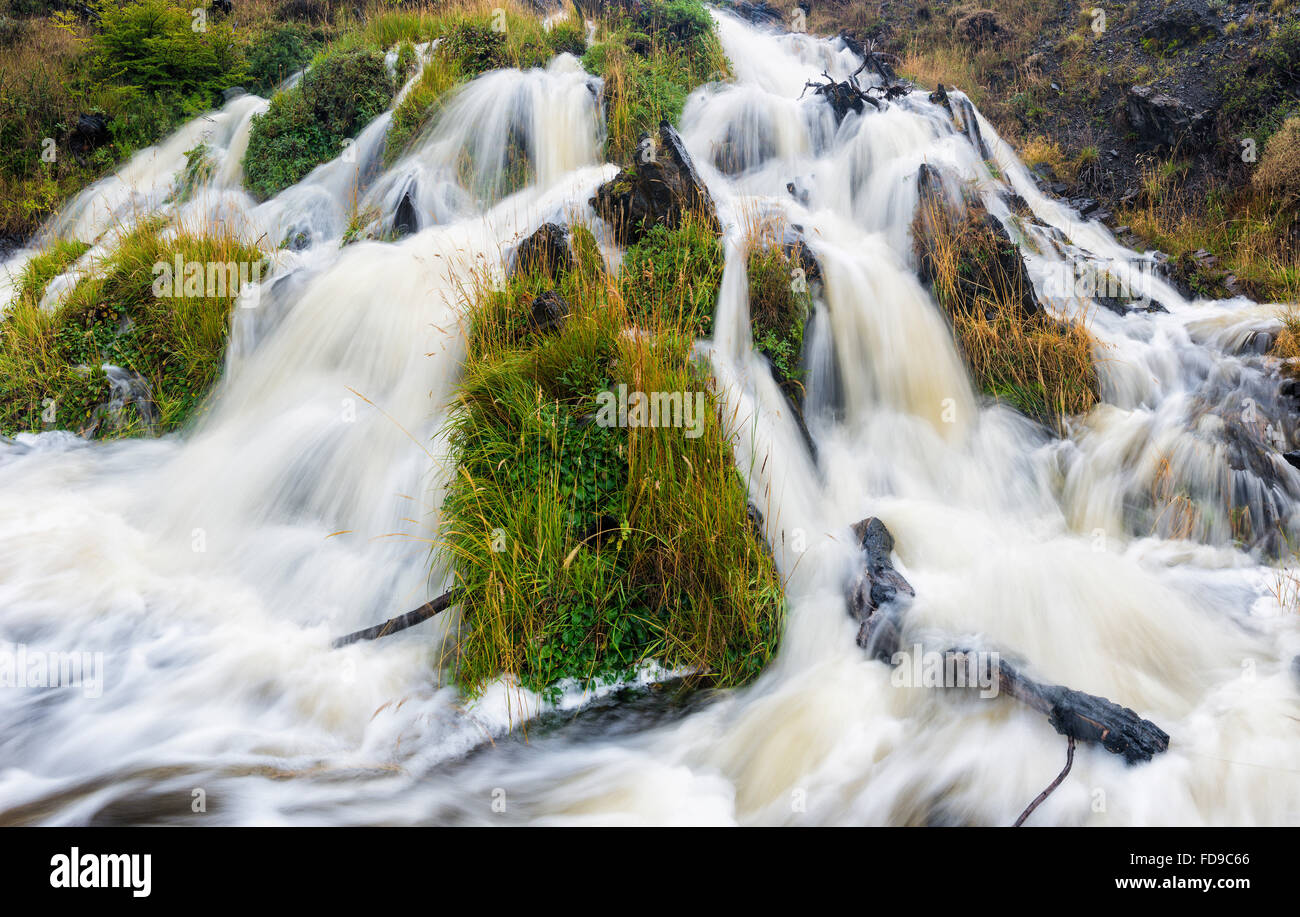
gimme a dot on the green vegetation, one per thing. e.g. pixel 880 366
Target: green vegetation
pixel 1039 366
pixel 474 40
pixel 141 66
pixel 651 56
pixel 50 361
pixel 585 549
pixel 779 305
pixel 681 266
pixel 307 125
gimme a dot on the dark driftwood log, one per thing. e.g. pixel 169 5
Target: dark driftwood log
pixel 401 622
pixel 877 599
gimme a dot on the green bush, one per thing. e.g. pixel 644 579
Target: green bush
pixel 277 53
pixel 151 44
pixel 341 93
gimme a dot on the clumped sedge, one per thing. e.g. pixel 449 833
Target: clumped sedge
pixel 53 357
pixel 1025 358
pixel 651 57
pixel 585 550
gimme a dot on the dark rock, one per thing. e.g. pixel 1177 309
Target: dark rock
pixel 940 97
pixel 405 220
pixel 233 92
pixel 971 127
pixel 545 251
pixel 1184 26
pixel 548 313
pixel 1162 121
pixel 876 591
pixel 88 134
pixel 659 189
pixel 1292 459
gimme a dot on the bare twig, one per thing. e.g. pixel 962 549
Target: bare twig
pixel 1069 762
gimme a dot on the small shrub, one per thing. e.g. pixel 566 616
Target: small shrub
pixel 1279 168
pixel 151 44
pixel 276 54
pixel 307 125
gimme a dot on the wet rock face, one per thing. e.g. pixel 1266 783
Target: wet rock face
pixel 877 590
pixel 546 251
pixel 1161 120
pixel 659 189
pixel 405 222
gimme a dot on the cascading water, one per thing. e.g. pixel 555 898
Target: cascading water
pixel 211 570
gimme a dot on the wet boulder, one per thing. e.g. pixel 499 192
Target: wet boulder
pixel 659 189
pixel 405 221
pixel 548 313
pixel 545 251
pixel 877 591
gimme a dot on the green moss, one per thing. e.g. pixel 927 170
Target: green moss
pixel 307 125
pixel 276 53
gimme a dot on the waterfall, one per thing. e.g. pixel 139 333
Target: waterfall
pixel 210 569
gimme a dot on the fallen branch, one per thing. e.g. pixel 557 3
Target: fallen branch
pixel 1069 762
pixel 401 622
pixel 877 599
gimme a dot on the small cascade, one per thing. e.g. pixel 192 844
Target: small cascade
pixel 1124 555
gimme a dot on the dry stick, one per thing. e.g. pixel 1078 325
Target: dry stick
pixel 401 622
pixel 1069 761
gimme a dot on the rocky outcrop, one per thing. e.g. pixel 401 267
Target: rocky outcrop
pixel 659 189
pixel 87 135
pixel 1162 121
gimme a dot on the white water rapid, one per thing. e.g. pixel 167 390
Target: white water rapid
pixel 211 569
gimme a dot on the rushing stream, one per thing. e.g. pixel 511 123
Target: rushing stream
pixel 211 569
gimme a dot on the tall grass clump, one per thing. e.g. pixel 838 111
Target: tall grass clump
pixel 51 359
pixel 1015 350
pixel 651 56
pixel 584 548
